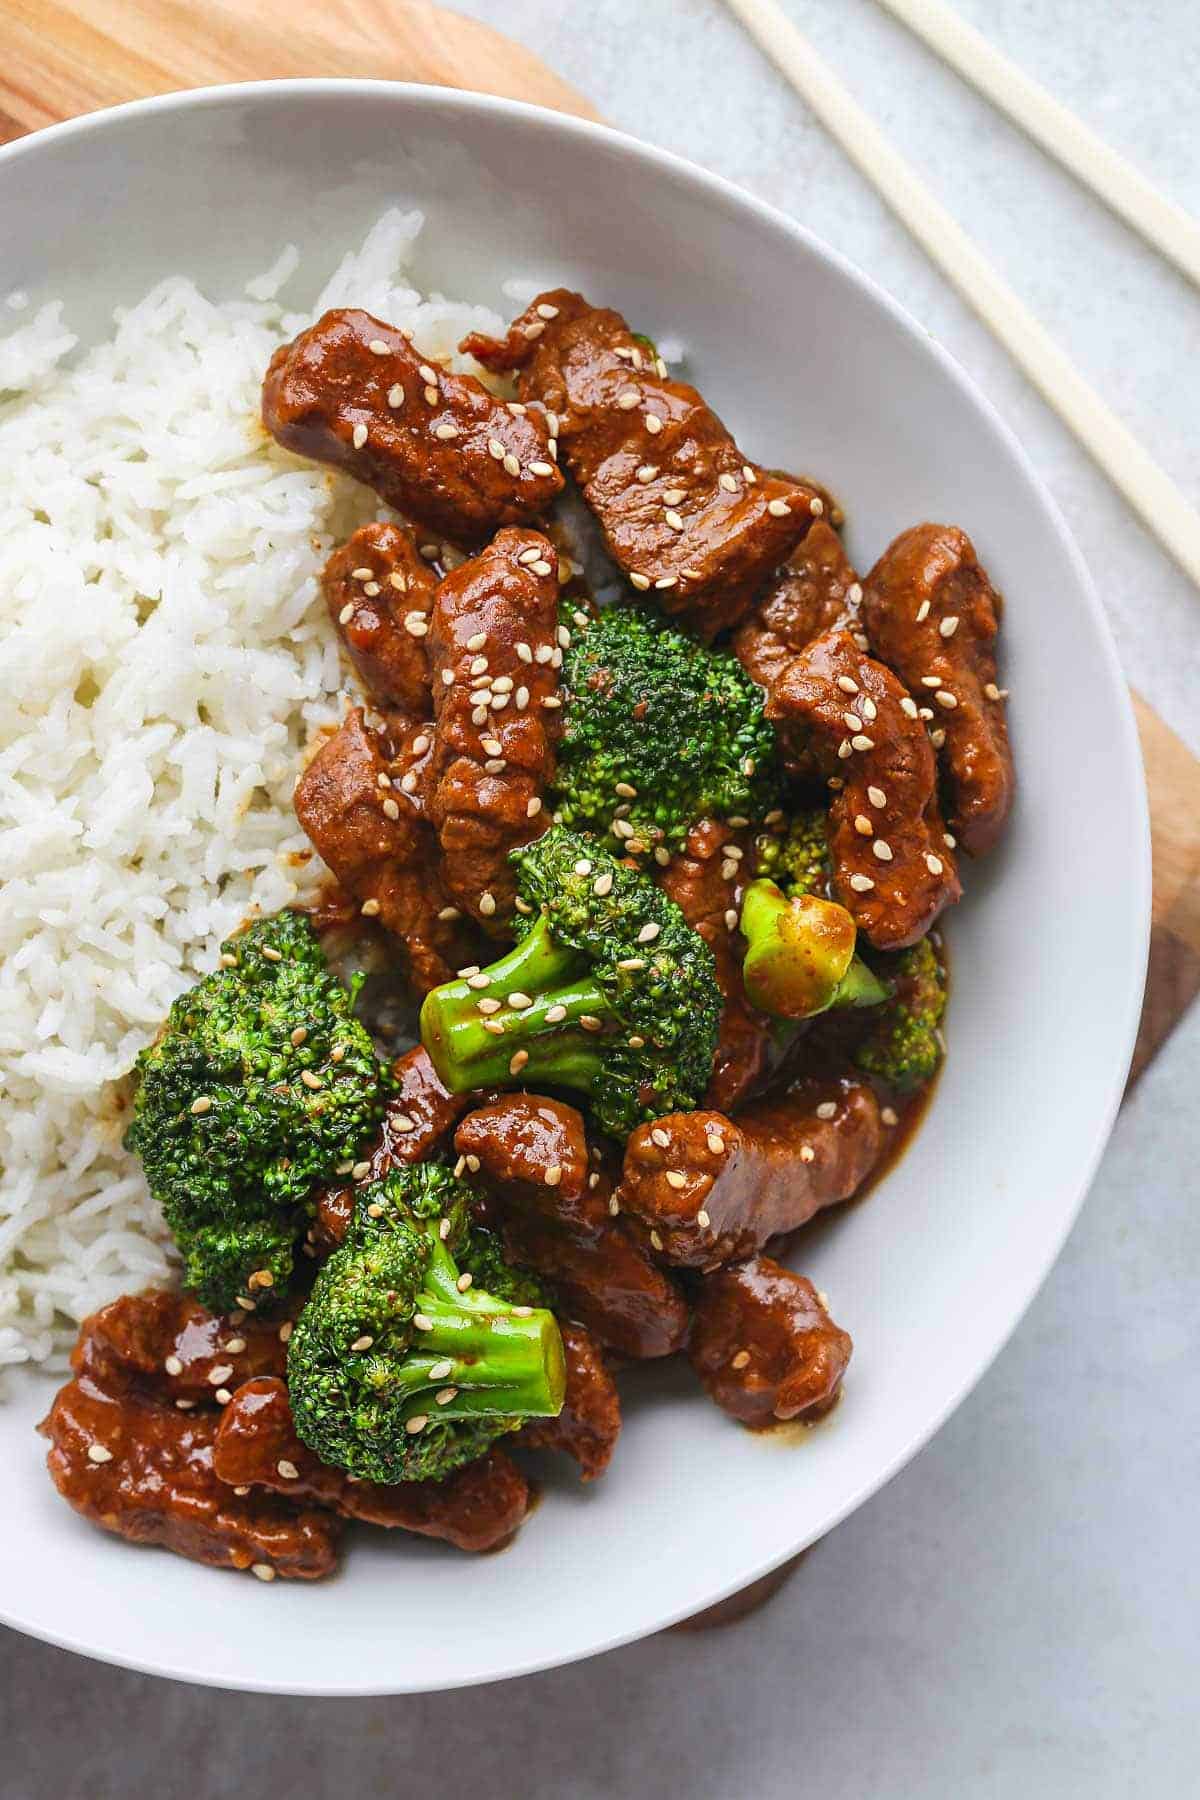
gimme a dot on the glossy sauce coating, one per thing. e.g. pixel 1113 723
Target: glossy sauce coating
pixel 764 1345
pixel 532 1154
pixel 933 615
pixel 379 589
pixel 354 392
pixel 684 513
pixel 589 1424
pixel 476 1508
pixel 893 870
pixel 815 591
pixel 370 832
pixel 126 1455
pixel 707 885
pixel 496 656
pixel 708 1189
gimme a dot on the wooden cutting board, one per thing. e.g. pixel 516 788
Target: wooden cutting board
pixel 59 58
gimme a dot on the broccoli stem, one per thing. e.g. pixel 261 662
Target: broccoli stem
pixel 800 957
pixel 502 1361
pixel 468 1052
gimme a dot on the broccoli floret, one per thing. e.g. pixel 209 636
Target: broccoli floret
pixel 798 858
pixel 483 1257
pixel 260 1084
pixel 609 993
pixel 402 1366
pixel 800 957
pixel 658 732
pixel 904 1046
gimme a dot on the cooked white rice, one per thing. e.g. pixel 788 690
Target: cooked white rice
pixel 165 656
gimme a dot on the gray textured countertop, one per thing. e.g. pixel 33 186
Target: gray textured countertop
pixel 1017 1612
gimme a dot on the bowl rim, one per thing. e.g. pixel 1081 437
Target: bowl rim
pixel 1137 874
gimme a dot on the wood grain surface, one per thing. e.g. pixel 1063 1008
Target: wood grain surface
pixel 59 58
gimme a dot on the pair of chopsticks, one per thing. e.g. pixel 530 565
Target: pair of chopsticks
pixel 1130 468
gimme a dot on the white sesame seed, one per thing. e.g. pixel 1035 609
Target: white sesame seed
pixel 751 475
pixel 359 436
pixel 851 721
pixel 862 884
pixel 816 506
pixel 946 699
pixel 487 904
pixel 847 684
pixel 807 1153
pixel 862 743
pixel 287 1469
pixel 202 1104
pixel 778 509
pixel 489 1006
pixel 922 612
pixel 551 702
pixel 863 825
pixel 417 1424
pixel 446 432
pixel 673 519
pixel 882 849
pixel 627 399
pixel 521 699
pixel 511 464
pixel 502 684
pixel 889 1115
pixel 632 963
pixel 933 863
pixel 264 1571
pixel 676 1178
pixel 479 714
pixel 219 1375
pixel 416 625
pixel 390 808
pixel 541 468
pixel 845 749
pixel 97 1453
pixel 308 1078
pixel 646 473
pixel 870 711
pixel 422 1322
pixel 740 1360
pixel 533 331
pixel 648 933
pixel 653 424
pixel 656 1241
pixel 931 681
pixel 347 613
pixel 235 1346
pixel 641 582
pixel 949 625
pixel 518 1062
pixel 908 707
pixel 370 909
pixel 475 978
pixel 541 567
pixel 876 796
pixel 727 482
pixel 854 594
pixel 827 1109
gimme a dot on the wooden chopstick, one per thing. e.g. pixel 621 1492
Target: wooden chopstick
pixel 1147 488
pixel 1162 222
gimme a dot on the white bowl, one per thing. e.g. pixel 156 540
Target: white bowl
pixel 816 369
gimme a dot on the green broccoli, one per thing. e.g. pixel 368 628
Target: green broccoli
pixel 658 732
pixel 798 858
pixel 904 1045
pixel 800 957
pixel 483 1257
pixel 609 992
pixel 402 1366
pixel 261 1084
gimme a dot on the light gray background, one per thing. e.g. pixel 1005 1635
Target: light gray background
pixel 1017 1614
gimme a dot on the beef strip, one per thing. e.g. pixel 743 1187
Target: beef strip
pixel 933 616
pixel 682 510
pixel 589 1424
pixel 476 1508
pixel 815 591
pixel 379 590
pixel 764 1345
pixel 133 1454
pixel 496 656
pixel 707 885
pixel 354 392
pixel 709 1189
pixel 892 867
pixel 556 1218
pixel 416 1122
pixel 370 833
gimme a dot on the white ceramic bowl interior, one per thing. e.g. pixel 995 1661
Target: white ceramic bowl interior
pixel 815 369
